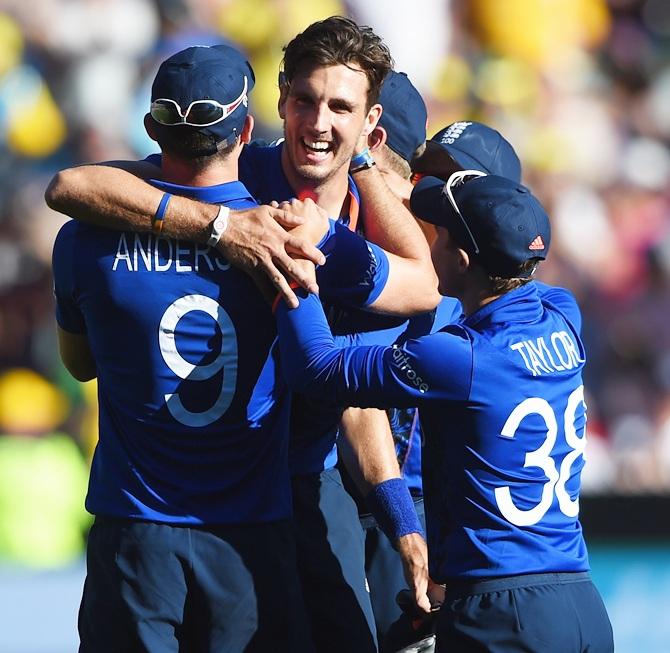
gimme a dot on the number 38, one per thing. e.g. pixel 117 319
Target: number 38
pixel 556 479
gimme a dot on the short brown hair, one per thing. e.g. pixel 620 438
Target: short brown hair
pixel 501 285
pixel 191 145
pixel 398 164
pixel 339 41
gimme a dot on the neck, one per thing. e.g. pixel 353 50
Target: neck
pixel 476 295
pixel 330 194
pixel 184 173
pixel 470 307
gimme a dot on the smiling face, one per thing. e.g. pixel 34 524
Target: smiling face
pixel 325 115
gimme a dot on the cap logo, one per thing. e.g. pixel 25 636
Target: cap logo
pixel 454 132
pixel 538 243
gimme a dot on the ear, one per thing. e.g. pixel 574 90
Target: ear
pixel 247 129
pixel 150 127
pixel 371 120
pixel 463 261
pixel 377 138
pixel 281 103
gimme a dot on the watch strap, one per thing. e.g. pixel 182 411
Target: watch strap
pixel 218 226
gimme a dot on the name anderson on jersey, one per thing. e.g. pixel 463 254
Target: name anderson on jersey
pixel 555 354
pixel 146 252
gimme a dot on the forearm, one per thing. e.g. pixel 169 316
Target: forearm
pixel 387 221
pixel 366 447
pixel 412 282
pixel 108 196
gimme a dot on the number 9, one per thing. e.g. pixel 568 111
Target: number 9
pixel 226 358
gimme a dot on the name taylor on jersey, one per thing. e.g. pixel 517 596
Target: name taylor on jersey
pixel 545 355
pixel 146 252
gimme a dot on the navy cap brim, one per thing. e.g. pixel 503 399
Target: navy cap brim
pixel 429 203
pixel 436 161
pixel 441 161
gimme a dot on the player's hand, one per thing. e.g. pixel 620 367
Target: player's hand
pixel 414 554
pixel 313 229
pixel 315 220
pixel 257 242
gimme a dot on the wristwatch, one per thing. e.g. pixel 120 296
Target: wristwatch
pixel 218 226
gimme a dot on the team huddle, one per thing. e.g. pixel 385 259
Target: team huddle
pixel 336 410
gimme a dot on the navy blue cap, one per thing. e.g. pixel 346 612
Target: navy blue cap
pixel 501 224
pixel 404 117
pixel 204 72
pixel 472 146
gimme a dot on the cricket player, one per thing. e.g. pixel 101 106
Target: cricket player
pixel 332 74
pixel 398 141
pixel 192 544
pixel 501 401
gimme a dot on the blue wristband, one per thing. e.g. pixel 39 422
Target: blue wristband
pixel 392 506
pixel 157 222
pixel 361 161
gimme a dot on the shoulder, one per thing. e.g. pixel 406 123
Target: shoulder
pixel 259 165
pixel 562 300
pixel 67 235
pixel 443 360
pixel 448 311
pixel 258 152
pixel 452 345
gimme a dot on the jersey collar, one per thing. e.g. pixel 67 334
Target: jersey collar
pixel 350 219
pixel 520 305
pixel 221 193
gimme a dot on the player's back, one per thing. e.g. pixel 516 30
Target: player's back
pixel 193 413
pixel 504 468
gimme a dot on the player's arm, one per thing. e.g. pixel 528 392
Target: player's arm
pixel 434 367
pixel 117 196
pixel 387 222
pixel 366 449
pixel 72 339
pixel 76 355
pixel 358 273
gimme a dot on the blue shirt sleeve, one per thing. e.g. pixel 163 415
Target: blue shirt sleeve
pixel 68 315
pixel 434 367
pixel 356 271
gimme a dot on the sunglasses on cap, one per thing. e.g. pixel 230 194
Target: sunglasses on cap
pixel 457 179
pixel 200 113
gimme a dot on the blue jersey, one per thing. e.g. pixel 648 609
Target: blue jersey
pixel 354 280
pixel 371 329
pixel 501 401
pixel 192 421
pixel 314 422
pixel 405 422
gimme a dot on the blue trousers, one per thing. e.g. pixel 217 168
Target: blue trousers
pixel 163 588
pixel 537 613
pixel 331 564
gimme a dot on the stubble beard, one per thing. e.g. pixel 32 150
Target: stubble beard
pixel 315 175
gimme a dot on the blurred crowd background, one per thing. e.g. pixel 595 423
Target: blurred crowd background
pixel 580 87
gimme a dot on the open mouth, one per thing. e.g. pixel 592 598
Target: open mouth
pixel 317 150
